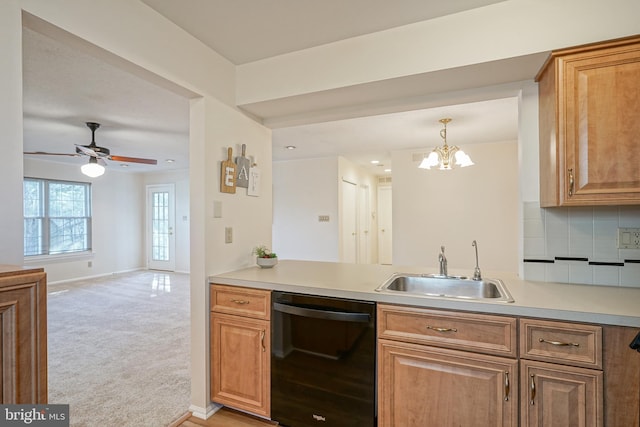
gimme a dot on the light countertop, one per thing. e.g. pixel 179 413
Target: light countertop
pixel 609 305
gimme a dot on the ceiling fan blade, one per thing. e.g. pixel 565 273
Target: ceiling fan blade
pixel 43 153
pixel 81 149
pixel 133 160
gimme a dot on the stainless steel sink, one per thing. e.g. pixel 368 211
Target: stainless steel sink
pixel 458 287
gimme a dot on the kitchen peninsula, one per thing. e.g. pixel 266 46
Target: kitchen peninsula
pixel 562 340
pixel 611 305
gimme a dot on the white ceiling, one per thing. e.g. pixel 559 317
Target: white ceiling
pixel 65 87
pixel 247 30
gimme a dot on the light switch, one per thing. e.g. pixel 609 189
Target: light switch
pixel 217 209
pixel 228 235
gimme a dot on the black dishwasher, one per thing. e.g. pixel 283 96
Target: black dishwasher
pixel 323 361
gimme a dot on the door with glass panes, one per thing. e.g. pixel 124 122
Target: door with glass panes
pixel 160 227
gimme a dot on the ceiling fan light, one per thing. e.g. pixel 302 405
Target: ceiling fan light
pixel 92 169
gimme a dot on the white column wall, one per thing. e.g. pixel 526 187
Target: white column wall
pixel 174 59
pixel 11 219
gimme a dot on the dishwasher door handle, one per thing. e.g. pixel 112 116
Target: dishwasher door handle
pixel 319 313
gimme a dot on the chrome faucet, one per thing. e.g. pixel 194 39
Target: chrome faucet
pixel 476 271
pixel 443 262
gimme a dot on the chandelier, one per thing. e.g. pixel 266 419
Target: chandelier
pixel 446 156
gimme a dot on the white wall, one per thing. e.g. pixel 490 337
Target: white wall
pixel 118 206
pixel 117 223
pixel 433 208
pixel 180 179
pixel 302 190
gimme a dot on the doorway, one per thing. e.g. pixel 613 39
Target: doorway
pixel 385 233
pixel 161 243
pixel 349 222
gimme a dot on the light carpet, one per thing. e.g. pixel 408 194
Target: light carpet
pixel 118 349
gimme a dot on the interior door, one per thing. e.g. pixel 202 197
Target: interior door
pixel 161 242
pixel 364 225
pixel 349 222
pixel 384 226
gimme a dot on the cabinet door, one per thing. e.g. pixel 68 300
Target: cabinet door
pixel 602 127
pixel 240 374
pixel 23 347
pixel 589 105
pixel 555 395
pixel 421 386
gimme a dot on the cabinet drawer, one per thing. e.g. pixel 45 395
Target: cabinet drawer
pixel 466 331
pixel 561 342
pixel 254 303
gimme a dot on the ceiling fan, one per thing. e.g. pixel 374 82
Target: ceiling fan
pixel 97 154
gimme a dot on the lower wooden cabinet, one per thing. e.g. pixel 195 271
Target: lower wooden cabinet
pixel 23 348
pixel 421 386
pixel 241 349
pixel 240 371
pixel 559 395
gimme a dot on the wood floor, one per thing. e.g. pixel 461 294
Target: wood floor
pixel 225 417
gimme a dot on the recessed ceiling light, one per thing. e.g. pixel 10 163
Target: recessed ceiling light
pixel 170 160
pixel 375 162
pixel 290 147
pixel 387 170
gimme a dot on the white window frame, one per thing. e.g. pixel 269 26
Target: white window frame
pixel 44 251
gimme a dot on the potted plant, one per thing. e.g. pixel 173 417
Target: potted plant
pixel 264 257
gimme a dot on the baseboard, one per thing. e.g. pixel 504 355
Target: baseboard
pixel 204 413
pixel 178 422
pixel 96 276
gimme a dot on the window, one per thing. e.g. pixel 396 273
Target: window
pixel 57 217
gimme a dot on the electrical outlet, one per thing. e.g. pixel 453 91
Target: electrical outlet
pixel 323 218
pixel 228 235
pixel 628 238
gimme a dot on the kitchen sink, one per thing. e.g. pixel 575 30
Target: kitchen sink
pixel 438 286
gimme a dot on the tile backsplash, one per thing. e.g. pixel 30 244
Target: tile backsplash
pixel 580 245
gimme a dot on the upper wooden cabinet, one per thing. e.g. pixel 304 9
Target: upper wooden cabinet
pixel 589 100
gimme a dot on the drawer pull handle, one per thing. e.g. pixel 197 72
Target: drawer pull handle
pixel 559 343
pixel 433 328
pixel 262 333
pixel 240 301
pixel 533 389
pixel 507 386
